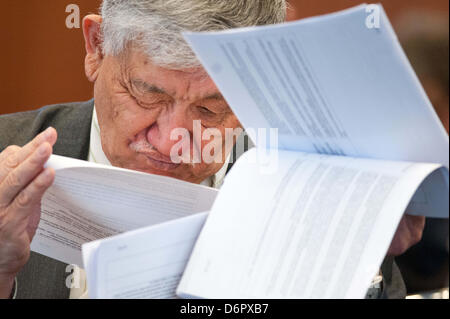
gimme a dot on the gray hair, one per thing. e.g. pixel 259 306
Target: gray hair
pixel 155 26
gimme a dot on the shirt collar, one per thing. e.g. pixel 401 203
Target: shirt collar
pixel 96 155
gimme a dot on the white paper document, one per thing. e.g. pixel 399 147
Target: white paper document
pixel 145 263
pixel 90 201
pixel 319 228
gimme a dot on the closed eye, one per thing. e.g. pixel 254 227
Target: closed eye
pixel 205 110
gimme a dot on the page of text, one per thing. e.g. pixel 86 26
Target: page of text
pixel 145 263
pixel 318 228
pixel 89 202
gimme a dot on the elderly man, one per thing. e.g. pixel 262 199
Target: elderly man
pixel 147 83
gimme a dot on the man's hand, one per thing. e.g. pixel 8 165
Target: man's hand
pixel 23 182
pixel 409 233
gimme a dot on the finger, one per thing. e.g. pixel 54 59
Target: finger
pixel 409 232
pixel 400 240
pixel 8 152
pixel 399 245
pixel 20 177
pixel 415 224
pixel 16 158
pixel 31 196
pixel 49 136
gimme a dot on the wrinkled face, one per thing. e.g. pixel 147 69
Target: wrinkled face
pixel 140 104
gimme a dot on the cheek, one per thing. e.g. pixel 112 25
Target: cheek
pixel 120 121
pixel 125 118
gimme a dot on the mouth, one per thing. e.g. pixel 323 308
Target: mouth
pixel 160 163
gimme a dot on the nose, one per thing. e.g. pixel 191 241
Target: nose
pixel 160 132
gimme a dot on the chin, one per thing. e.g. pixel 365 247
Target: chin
pixel 163 171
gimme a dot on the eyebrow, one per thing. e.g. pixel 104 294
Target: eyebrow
pixel 149 88
pixel 216 96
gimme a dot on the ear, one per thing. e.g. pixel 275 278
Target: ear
pixel 93 40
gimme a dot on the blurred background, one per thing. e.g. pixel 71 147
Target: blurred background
pixel 42 62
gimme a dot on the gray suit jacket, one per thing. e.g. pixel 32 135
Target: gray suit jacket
pixel 43 277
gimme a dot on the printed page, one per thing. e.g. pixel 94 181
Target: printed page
pixel 89 202
pixel 145 263
pixel 318 228
pixel 337 84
